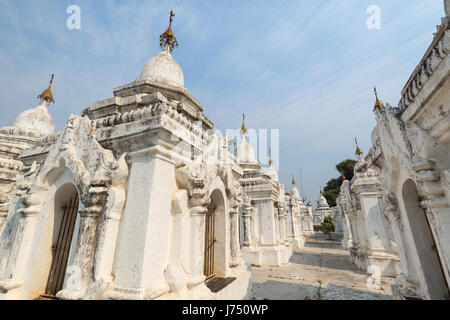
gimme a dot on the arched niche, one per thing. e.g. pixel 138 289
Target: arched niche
pixel 424 242
pixel 58 236
pixel 215 262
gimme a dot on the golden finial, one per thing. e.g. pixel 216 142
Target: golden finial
pixel 243 128
pixel 270 157
pixel 293 180
pixel 47 95
pixel 167 39
pixel 342 176
pixel 378 104
pixel 358 151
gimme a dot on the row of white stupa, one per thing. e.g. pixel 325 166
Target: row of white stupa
pixel 270 224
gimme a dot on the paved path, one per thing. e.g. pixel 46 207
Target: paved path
pixel 320 270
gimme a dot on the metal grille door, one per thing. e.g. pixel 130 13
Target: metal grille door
pixel 208 268
pixel 60 251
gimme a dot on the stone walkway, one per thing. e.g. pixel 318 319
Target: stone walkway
pixel 319 271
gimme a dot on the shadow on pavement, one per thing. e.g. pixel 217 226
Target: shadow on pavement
pixel 278 290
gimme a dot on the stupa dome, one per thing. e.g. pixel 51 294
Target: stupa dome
pixel 36 119
pixel 245 152
pixel 271 172
pixel 322 201
pixel 163 69
pixel 295 192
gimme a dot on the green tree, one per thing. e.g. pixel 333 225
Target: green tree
pixel 332 188
pixel 331 196
pixel 328 226
pixel 346 167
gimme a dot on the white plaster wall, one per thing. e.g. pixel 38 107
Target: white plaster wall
pixel 144 235
pixel 376 235
pixel 267 231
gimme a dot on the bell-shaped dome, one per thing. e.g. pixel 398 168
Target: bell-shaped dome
pixel 322 201
pixel 37 119
pixel 295 192
pixel 245 151
pixel 272 173
pixel 163 69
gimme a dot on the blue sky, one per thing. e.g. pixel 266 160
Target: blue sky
pixel 305 67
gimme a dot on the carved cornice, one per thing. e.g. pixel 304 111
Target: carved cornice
pixel 10 164
pixel 438 50
pixel 142 93
pixel 143 86
pixel 162 123
pixel 374 153
pixel 149 111
pixel 48 140
pixel 16 131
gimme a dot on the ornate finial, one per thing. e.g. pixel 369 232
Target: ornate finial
pixel 47 95
pixel 293 180
pixel 243 128
pixel 378 104
pixel 167 39
pixel 270 157
pixel 358 151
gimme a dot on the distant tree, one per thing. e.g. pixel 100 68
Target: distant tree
pixel 346 167
pixel 333 187
pixel 334 183
pixel 328 226
pixel 331 196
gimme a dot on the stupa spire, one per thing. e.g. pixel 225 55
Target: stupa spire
pixel 358 151
pixel 47 94
pixel 167 40
pixel 378 104
pixel 243 127
pixel 270 157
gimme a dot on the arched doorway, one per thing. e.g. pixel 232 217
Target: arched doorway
pixel 424 242
pixel 215 233
pixel 65 214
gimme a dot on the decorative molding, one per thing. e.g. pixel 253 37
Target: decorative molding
pixel 438 50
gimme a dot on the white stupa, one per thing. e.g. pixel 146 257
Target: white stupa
pixel 38 119
pixel 295 193
pixel 322 210
pixel 271 172
pixel 245 152
pixel 163 69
